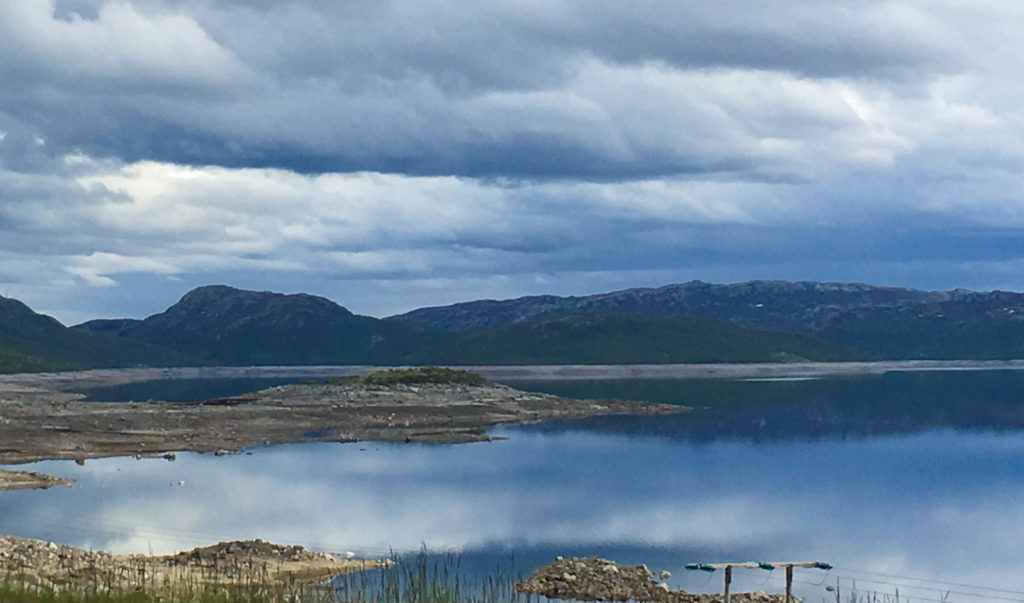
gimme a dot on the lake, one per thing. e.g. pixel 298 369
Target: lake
pixel 911 479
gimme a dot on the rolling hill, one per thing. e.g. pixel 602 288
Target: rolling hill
pixel 228 326
pixel 33 342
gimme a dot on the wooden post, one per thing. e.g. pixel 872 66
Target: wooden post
pixel 728 580
pixel 764 565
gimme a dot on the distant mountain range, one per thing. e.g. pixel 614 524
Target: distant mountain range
pixel 758 321
pixel 882 322
pixel 803 307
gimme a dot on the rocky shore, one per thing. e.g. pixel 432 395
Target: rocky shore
pixel 239 563
pixel 594 579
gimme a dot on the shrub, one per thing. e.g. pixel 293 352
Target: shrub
pixel 423 374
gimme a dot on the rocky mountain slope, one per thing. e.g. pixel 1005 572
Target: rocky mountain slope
pixel 805 307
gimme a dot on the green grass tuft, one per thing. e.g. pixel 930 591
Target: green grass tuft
pixel 423 374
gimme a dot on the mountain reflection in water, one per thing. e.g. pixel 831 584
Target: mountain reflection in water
pixel 912 474
pixel 805 410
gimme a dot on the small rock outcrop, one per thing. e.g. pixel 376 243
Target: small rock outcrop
pixel 594 579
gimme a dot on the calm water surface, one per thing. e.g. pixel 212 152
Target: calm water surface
pixel 904 475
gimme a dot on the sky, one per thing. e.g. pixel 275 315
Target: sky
pixel 395 154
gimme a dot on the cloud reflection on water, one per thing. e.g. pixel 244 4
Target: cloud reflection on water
pixel 893 504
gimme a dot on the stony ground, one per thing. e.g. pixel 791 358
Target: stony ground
pixel 247 563
pixel 594 579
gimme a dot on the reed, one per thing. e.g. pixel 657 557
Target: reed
pixel 418 578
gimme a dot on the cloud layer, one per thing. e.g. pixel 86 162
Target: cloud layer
pixel 397 154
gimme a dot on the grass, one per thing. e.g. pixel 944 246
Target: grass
pixel 423 578
pixel 417 579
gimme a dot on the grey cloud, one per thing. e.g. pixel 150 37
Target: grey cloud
pixel 599 90
pixel 422 153
pixel 497 42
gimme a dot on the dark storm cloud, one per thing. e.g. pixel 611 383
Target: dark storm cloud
pixel 564 89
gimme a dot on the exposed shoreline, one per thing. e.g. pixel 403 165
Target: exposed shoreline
pixel 72 382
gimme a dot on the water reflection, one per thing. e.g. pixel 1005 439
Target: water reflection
pixel 893 504
pixel 760 411
pixel 930 486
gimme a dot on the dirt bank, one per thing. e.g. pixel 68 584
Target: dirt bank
pixel 596 579
pixel 38 424
pixel 248 563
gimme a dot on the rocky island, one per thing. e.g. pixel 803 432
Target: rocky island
pixel 411 405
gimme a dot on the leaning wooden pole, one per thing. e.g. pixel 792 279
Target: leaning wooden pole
pixel 789 583
pixel 728 580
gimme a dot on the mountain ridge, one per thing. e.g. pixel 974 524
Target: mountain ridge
pixel 747 303
pixel 686 322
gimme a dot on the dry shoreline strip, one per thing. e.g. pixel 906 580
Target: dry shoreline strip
pixel 74 381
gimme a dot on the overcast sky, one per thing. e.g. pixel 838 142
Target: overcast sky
pixel 399 153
